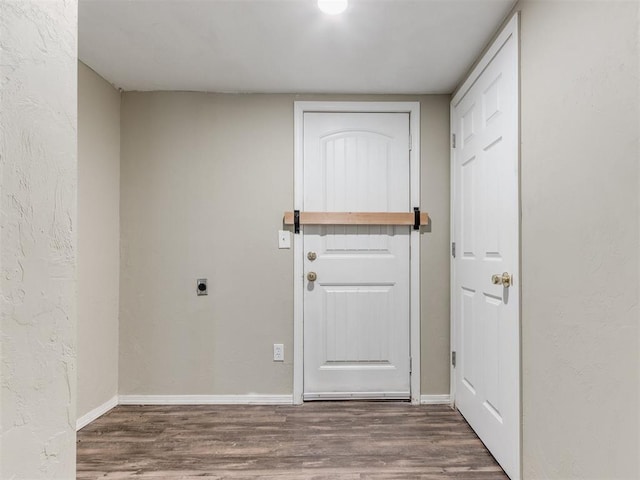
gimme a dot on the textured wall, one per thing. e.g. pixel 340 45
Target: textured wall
pixel 580 222
pixel 98 239
pixel 38 72
pixel 205 181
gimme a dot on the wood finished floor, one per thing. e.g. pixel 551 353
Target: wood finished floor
pixel 318 440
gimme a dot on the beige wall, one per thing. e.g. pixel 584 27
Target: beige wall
pixel 38 178
pixel 205 181
pixel 580 222
pixel 435 245
pixel 98 239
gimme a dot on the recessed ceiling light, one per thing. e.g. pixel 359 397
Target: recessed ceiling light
pixel 332 7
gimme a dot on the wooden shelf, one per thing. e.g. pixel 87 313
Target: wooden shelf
pixel 355 218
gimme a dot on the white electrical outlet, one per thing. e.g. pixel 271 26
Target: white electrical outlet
pixel 278 352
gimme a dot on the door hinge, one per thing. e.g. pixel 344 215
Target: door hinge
pixel 453 249
pixel 410 143
pixel 453 140
pixel 410 365
pixel 453 359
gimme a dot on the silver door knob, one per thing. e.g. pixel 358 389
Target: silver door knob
pixel 312 276
pixel 312 256
pixel 505 280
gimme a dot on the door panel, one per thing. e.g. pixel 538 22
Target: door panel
pixel 486 226
pixel 356 324
pixel 356 314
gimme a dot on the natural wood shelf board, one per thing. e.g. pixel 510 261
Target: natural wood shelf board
pixel 356 218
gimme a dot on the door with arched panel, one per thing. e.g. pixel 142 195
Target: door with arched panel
pixel 356 283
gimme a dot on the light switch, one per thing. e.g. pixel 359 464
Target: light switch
pixel 284 239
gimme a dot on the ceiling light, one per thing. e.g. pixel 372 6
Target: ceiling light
pixel 332 7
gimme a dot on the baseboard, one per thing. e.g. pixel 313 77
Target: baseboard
pixel 205 400
pixel 212 400
pixel 97 412
pixel 435 399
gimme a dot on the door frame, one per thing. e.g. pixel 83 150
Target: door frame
pixel 413 109
pixel 511 28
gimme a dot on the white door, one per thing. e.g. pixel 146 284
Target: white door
pixel 356 312
pixel 485 232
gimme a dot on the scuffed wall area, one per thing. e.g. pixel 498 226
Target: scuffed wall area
pixel 98 239
pixel 38 83
pixel 580 237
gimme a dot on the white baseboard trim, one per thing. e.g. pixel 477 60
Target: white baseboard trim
pixel 435 399
pixel 212 400
pixel 97 412
pixel 205 400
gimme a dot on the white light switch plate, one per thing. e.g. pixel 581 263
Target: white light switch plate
pixel 284 239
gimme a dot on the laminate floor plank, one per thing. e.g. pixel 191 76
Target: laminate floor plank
pixel 318 440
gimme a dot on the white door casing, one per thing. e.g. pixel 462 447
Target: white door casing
pixel 356 312
pixel 362 270
pixel 485 229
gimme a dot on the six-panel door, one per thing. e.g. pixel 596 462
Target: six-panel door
pixel 486 314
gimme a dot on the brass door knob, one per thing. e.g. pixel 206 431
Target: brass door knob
pixel 312 276
pixel 312 256
pixel 505 280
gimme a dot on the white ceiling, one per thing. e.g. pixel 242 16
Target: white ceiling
pixel 286 46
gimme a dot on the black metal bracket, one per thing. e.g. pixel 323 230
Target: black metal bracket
pixel 416 218
pixel 296 221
